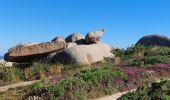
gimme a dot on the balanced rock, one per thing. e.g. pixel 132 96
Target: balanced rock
pixel 94 36
pixel 84 54
pixel 33 52
pixel 154 40
pixel 75 37
pixel 21 45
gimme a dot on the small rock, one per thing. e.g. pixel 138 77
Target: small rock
pixel 75 37
pixel 94 36
pixel 5 64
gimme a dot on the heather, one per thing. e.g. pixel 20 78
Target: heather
pixel 104 81
pixel 153 91
pixel 131 68
pixel 142 56
pixel 27 72
pixel 85 83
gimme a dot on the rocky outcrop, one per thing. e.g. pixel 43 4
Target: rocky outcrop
pixel 72 50
pixel 75 37
pixel 84 54
pixel 34 52
pixel 154 40
pixel 94 36
pixel 59 39
pixel 69 45
pixel 5 64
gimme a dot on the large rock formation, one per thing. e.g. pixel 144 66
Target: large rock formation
pixel 94 36
pixel 154 40
pixel 84 54
pixel 59 39
pixel 33 52
pixel 69 45
pixel 72 50
pixel 75 37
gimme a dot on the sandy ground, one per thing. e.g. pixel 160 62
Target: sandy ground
pixel 111 97
pixel 20 84
pixel 114 96
pixel 117 95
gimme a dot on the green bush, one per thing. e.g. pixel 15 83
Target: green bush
pixel 155 59
pixel 136 63
pixel 119 52
pixel 164 51
pixel 155 91
pixel 35 86
pixel 80 84
pixel 108 89
pixel 37 67
pixel 11 74
pixel 87 79
pixel 143 55
pixel 72 66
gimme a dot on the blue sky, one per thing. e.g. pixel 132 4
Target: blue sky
pixel 125 21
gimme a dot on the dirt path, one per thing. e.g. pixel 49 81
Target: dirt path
pixel 117 95
pixel 114 96
pixel 20 84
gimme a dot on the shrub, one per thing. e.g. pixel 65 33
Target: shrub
pixel 118 52
pixel 35 86
pixel 72 66
pixel 11 74
pixel 155 91
pixel 134 50
pixel 80 84
pixel 37 67
pixel 163 51
pixel 136 63
pixel 155 59
pixel 108 89
pixel 41 70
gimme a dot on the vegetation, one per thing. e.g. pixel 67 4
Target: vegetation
pixel 17 73
pixel 131 68
pixel 10 75
pixel 154 91
pixel 84 83
pixel 142 56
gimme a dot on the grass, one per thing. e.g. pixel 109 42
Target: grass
pixel 154 91
pixel 10 75
pixel 142 56
pixel 132 67
pixel 18 73
pixel 40 71
pixel 81 84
